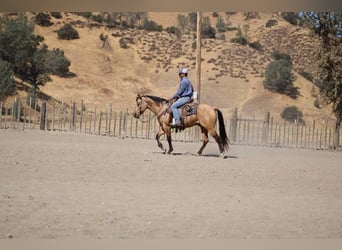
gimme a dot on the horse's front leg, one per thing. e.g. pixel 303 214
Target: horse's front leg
pixel 168 136
pixel 158 135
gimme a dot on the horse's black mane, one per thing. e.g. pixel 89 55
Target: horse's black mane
pixel 157 98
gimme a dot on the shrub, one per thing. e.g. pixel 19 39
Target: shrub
pixel 173 30
pixel 271 22
pixel 277 56
pixel 67 32
pixel 306 75
pixel 292 114
pixel 256 45
pixel 151 25
pixel 57 15
pixel 123 43
pixel 240 40
pixel 97 18
pixel 43 19
pixel 279 78
pixel 84 14
pixel 291 17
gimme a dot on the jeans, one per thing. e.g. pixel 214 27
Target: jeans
pixel 181 101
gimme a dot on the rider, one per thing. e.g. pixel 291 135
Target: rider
pixel 183 95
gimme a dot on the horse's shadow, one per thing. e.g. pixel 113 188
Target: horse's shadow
pixel 197 155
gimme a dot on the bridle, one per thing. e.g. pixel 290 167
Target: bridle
pixel 142 109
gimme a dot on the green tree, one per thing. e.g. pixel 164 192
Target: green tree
pixel 183 23
pixel 207 31
pixel 18 43
pixel 30 60
pixel 279 78
pixel 7 83
pixel 328 27
pixel 220 24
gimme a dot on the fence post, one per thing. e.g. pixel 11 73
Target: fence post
pixel 85 119
pixel 53 116
pixel 95 121
pixel 1 104
pixel 265 129
pixel 81 116
pixel 42 116
pixel 233 125
pixel 100 120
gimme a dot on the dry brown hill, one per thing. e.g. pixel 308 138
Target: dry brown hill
pixel 232 75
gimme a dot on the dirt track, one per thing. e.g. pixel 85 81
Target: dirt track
pixel 61 185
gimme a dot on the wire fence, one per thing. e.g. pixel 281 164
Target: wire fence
pixel 79 118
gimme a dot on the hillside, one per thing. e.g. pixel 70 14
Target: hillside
pixel 232 74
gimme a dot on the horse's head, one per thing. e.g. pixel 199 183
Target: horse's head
pixel 141 106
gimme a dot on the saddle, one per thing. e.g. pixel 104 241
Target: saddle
pixel 189 108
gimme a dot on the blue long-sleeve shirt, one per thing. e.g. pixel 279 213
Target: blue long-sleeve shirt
pixel 185 88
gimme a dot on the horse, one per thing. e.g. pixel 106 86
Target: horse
pixel 206 118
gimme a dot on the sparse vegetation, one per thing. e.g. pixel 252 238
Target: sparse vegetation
pixel 292 17
pixel 67 32
pixel 271 22
pixel 56 15
pixel 292 114
pixel 276 55
pixel 123 43
pixel 256 45
pixel 43 19
pixel 150 25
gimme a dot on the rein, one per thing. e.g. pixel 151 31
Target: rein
pixel 159 113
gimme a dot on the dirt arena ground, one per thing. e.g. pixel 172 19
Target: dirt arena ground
pixel 65 185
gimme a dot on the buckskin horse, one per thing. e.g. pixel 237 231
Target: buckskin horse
pixel 205 117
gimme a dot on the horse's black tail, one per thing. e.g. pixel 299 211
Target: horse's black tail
pixel 222 129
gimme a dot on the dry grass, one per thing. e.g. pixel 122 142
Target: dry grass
pixel 232 75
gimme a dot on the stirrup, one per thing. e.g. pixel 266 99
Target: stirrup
pixel 174 124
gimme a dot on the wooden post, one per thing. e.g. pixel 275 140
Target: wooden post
pixel 53 116
pixel 115 118
pixel 266 129
pixel 234 125
pixel 198 65
pixel 74 116
pixel 42 116
pixel 100 120
pixel 85 120
pixel 95 121
pixel 30 109
pixel 6 115
pixel 81 116
pixel 18 112
pixel 1 105
pixel 64 115
pixel 120 123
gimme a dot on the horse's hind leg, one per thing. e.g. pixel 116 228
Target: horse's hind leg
pixel 205 140
pixel 218 139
